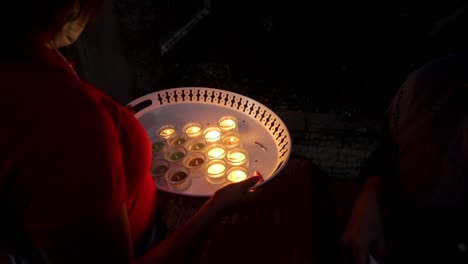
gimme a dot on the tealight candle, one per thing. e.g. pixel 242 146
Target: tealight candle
pixel 195 161
pixel 236 174
pixel 157 146
pixel 167 131
pixel 176 154
pixel 178 178
pixel 215 171
pixel 216 151
pixel 231 139
pixel 193 129
pixel 212 134
pixel 177 139
pixel 227 123
pixel 159 167
pixel 197 145
pixel 238 157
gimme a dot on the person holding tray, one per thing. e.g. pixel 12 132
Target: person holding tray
pixel 75 181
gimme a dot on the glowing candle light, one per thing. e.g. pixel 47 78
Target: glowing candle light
pixel 238 157
pixel 216 151
pixel 212 134
pixel 227 123
pixel 231 139
pixel 215 171
pixel 193 129
pixel 237 174
pixel 167 131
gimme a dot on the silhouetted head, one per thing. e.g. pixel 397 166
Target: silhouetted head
pixel 55 23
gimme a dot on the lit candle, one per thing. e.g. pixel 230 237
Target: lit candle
pixel 238 157
pixel 227 123
pixel 177 139
pixel 195 161
pixel 193 129
pixel 178 178
pixel 215 171
pixel 237 174
pixel 167 131
pixel 212 134
pixel 176 154
pixel 231 139
pixel 216 151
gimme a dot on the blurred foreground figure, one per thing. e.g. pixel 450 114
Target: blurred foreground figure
pixel 412 206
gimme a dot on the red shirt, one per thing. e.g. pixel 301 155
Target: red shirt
pixel 70 158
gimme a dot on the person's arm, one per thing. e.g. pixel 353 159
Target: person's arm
pixel 112 243
pixel 178 247
pixel 364 230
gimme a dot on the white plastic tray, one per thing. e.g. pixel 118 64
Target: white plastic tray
pixel 263 133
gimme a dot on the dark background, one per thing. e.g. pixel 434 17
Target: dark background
pixel 325 56
pixel 329 56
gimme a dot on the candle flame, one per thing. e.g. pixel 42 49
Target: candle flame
pixel 216 152
pixel 212 134
pixel 228 123
pixel 237 176
pixel 237 157
pixel 193 130
pixel 232 141
pixel 216 169
pixel 167 132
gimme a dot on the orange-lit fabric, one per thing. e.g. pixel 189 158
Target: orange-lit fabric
pixel 70 158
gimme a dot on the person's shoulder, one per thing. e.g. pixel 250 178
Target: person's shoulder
pixel 448 64
pixel 48 94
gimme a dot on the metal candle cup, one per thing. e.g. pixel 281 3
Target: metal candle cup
pixel 159 168
pixel 236 174
pixel 178 178
pixel 166 131
pixel 176 154
pixel 216 151
pixel 158 145
pixel 177 139
pixel 212 134
pixel 228 123
pixel 195 162
pixel 215 171
pixel 198 144
pixel 238 157
pixel 231 139
pixel 193 129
